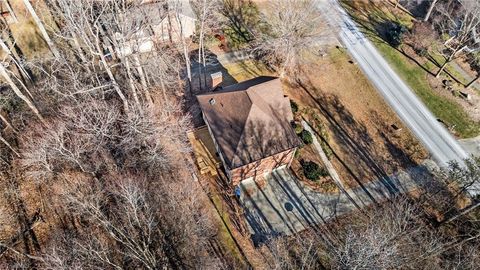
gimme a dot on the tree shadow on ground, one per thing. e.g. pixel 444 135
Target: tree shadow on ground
pixel 367 160
pixel 373 22
pixel 418 10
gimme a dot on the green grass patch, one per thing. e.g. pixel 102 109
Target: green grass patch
pixel 447 110
pixel 245 70
pixel 224 234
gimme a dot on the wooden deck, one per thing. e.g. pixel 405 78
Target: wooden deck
pixel 204 150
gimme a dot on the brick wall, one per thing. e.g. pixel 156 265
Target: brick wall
pixel 258 168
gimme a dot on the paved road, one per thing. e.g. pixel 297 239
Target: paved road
pixel 438 141
pixel 472 145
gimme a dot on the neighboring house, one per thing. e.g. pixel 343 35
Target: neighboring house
pixel 169 23
pixel 250 123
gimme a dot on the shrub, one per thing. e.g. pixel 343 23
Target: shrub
pixel 306 137
pixel 423 52
pixel 297 153
pixel 298 128
pixel 294 106
pixel 312 170
pixel 395 34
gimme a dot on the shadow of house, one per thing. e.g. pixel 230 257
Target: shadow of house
pixel 250 125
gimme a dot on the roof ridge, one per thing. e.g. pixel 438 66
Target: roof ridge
pixel 249 117
pixel 243 129
pixel 259 98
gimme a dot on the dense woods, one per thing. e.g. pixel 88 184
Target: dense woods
pixel 95 166
pixel 95 171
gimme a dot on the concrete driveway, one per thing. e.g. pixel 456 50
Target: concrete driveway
pixel 285 206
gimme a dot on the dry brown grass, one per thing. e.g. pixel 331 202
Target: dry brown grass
pixel 25 31
pixel 358 121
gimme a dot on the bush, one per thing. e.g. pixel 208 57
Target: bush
pixel 294 106
pixel 312 170
pixel 306 137
pixel 297 153
pixel 298 128
pixel 423 52
pixel 395 34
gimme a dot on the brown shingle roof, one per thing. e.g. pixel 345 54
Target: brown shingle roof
pixel 250 120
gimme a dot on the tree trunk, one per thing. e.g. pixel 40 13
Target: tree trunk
pixel 81 53
pixel 430 9
pixel 201 69
pixel 110 75
pixel 40 26
pixel 143 79
pixel 473 81
pixel 185 53
pixel 8 145
pixel 131 81
pixel 442 68
pixel 449 59
pixel 22 72
pixel 10 11
pixel 7 123
pixel 19 93
pixel 462 212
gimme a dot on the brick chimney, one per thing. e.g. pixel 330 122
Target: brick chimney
pixel 217 79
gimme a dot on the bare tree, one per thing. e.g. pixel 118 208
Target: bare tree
pixel 294 30
pixel 131 231
pixel 43 31
pixel 5 74
pixel 10 11
pixel 184 43
pixel 302 251
pixel 13 57
pixel 207 14
pixel 84 23
pixel 392 237
pixel 429 11
pixel 459 20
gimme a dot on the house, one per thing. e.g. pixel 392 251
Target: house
pixel 166 23
pixel 250 124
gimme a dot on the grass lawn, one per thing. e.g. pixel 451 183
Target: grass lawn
pixel 448 110
pixel 356 119
pixel 224 233
pixel 245 70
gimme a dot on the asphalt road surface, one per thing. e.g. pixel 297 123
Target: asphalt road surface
pixel 439 142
